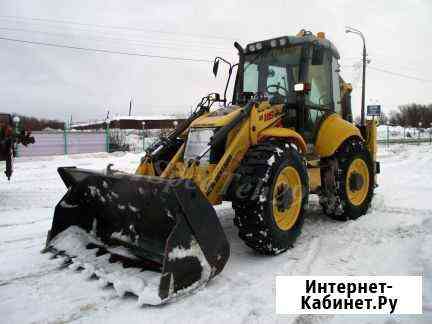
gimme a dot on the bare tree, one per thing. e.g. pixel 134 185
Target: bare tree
pixel 411 115
pixel 38 124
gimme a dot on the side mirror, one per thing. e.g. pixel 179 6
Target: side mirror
pixel 215 67
pixel 318 55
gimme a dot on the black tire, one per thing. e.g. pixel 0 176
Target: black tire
pixel 252 197
pixel 342 208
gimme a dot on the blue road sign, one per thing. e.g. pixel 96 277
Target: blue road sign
pixel 374 110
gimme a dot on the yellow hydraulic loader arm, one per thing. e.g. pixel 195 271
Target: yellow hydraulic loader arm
pixel 261 122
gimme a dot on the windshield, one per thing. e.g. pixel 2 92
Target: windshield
pixel 198 143
pixel 277 67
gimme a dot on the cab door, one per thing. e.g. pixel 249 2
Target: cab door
pixel 324 94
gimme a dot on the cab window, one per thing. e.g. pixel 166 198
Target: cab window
pixel 320 80
pixel 277 76
pixel 251 78
pixel 277 67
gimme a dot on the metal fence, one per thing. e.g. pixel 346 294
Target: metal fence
pixel 75 142
pixel 403 135
pixel 110 140
pixel 64 142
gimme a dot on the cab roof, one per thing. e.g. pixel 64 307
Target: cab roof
pixel 304 37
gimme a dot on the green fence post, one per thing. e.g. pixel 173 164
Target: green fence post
pixel 107 138
pixel 65 141
pixel 143 139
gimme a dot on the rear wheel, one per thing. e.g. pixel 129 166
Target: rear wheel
pixel 354 183
pixel 269 197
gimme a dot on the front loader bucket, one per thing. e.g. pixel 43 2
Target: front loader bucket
pixel 153 237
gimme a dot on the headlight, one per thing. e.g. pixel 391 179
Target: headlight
pixel 298 87
pixel 273 43
pixel 259 46
pixel 302 87
pixel 198 144
pixel 252 47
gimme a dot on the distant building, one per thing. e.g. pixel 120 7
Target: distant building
pixel 132 122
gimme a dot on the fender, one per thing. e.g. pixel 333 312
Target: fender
pixel 332 133
pixel 286 133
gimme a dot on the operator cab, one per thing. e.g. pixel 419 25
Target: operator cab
pixel 301 72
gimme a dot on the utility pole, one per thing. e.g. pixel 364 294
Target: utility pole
pixel 356 31
pixel 130 106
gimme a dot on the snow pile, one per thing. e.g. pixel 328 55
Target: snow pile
pixel 144 284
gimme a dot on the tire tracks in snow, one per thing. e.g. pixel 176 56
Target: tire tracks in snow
pixel 82 311
pixel 402 210
pixel 25 223
pixel 303 264
pixel 25 277
pixel 24 239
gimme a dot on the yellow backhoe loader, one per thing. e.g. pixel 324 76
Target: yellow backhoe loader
pixel 286 134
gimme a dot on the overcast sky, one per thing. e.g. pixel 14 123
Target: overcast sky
pixel 57 82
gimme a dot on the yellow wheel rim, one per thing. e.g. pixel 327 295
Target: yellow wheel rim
pixel 357 182
pixel 287 198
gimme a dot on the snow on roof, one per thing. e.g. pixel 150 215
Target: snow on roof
pixel 49 129
pixel 150 117
pixel 90 123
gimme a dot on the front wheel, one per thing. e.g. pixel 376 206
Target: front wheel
pixel 270 196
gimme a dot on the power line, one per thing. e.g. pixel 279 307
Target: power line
pixel 70 22
pixel 386 63
pixel 398 74
pixel 119 39
pixel 88 49
pixel 197 41
pixel 379 69
pixel 174 58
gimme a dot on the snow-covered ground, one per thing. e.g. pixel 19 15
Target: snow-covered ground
pixel 394 238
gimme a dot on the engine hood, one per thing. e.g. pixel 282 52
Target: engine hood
pixel 217 118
